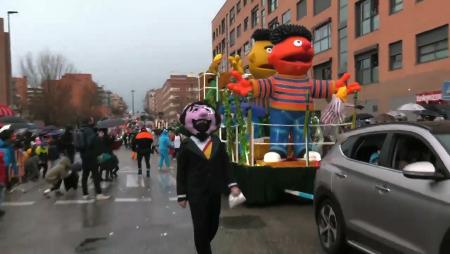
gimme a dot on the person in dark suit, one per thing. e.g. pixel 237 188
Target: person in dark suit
pixel 203 172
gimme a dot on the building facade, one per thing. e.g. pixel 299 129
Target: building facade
pixel 150 101
pixel 20 91
pixel 396 49
pixel 5 66
pixel 176 93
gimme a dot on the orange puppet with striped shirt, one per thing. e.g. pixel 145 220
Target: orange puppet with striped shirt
pixel 289 90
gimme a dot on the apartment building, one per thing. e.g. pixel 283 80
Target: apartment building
pixel 5 66
pixel 175 94
pixel 396 49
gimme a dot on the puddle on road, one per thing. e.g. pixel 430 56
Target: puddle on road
pixel 242 222
pixel 88 244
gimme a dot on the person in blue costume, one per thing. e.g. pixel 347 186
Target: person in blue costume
pixel 164 146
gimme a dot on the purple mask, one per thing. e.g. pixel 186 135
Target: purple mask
pixel 200 119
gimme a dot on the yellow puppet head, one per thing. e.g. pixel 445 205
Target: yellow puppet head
pixel 258 64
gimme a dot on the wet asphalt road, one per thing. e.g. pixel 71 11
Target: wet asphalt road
pixel 142 216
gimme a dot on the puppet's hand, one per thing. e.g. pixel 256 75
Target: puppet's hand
pixel 344 91
pixel 236 63
pixel 242 86
pixel 235 191
pixel 183 203
pixel 214 66
pixel 342 81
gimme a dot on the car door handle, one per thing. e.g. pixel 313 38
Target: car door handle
pixel 340 175
pixel 382 188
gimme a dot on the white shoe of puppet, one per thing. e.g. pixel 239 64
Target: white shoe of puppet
pixel 272 157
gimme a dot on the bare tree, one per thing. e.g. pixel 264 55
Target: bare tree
pixel 47 66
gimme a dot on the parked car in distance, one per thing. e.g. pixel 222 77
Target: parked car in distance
pixel 386 189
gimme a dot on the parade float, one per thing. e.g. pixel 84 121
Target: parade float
pixel 274 135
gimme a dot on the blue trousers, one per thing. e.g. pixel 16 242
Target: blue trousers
pixel 280 134
pixel 164 157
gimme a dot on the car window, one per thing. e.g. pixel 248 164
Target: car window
pixel 409 149
pixel 368 147
pixel 445 141
pixel 347 146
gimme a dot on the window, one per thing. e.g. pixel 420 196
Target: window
pixel 263 19
pixel 255 17
pixel 273 4
pixel 321 5
pixel 396 6
pixel 409 149
pixel 245 2
pixel 232 15
pixel 238 31
pixel 232 37
pixel 223 26
pixel 301 9
pixel 322 71
pixel 348 145
pixel 343 61
pixel 432 45
pixel 367 19
pixel 367 67
pixel 245 24
pixel 343 12
pixel 246 48
pixel 368 147
pixel 286 17
pixel 238 7
pixel 322 38
pixel 239 52
pixel 273 23
pixel 214 36
pixel 395 55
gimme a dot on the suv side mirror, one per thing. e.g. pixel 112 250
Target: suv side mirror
pixel 420 170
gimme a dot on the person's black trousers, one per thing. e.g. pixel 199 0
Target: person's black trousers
pixel 205 217
pixel 146 156
pixel 57 185
pixel 90 167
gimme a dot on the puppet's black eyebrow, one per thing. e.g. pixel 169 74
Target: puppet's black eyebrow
pixel 266 47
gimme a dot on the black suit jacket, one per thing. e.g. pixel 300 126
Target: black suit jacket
pixel 198 177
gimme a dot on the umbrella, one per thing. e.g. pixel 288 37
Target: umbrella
pixel 411 107
pixel 109 123
pixel 5 110
pixel 428 112
pixel 12 119
pixel 359 116
pixel 18 126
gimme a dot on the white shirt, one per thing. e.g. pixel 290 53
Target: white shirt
pixel 177 141
pixel 200 144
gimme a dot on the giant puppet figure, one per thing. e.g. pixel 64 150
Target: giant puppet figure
pixel 289 90
pixel 203 170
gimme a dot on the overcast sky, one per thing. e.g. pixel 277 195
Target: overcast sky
pixel 125 44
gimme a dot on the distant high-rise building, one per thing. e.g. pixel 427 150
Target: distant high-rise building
pixel 5 66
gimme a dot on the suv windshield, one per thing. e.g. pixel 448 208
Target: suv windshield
pixel 445 141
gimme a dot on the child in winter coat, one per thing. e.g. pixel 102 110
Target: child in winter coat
pixel 2 181
pixel 56 175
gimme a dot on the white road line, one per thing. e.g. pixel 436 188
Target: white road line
pixel 127 171
pixel 70 202
pixel 132 181
pixel 173 199
pixel 24 203
pixel 142 182
pixel 132 200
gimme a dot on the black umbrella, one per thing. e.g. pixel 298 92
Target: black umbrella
pixel 359 116
pixel 18 126
pixel 110 123
pixel 12 119
pixel 428 112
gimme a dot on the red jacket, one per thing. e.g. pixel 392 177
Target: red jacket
pixel 2 170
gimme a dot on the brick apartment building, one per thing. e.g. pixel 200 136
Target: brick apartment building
pixel 5 66
pixel 177 92
pixel 150 101
pixel 397 49
pixel 20 91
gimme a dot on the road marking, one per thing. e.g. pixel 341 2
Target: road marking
pixel 132 181
pixel 133 200
pixel 127 171
pixel 142 182
pixel 24 203
pixel 70 202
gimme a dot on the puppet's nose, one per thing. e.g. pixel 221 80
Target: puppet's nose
pixel 306 45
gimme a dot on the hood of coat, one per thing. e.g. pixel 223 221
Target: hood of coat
pixel 65 162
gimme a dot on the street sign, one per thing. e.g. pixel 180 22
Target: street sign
pixel 446 91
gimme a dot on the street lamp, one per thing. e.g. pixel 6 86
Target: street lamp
pixel 11 97
pixel 132 101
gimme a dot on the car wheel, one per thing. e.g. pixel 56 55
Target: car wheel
pixel 330 225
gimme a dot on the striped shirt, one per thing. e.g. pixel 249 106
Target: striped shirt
pixel 288 93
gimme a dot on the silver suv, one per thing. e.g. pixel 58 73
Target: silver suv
pixel 386 189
